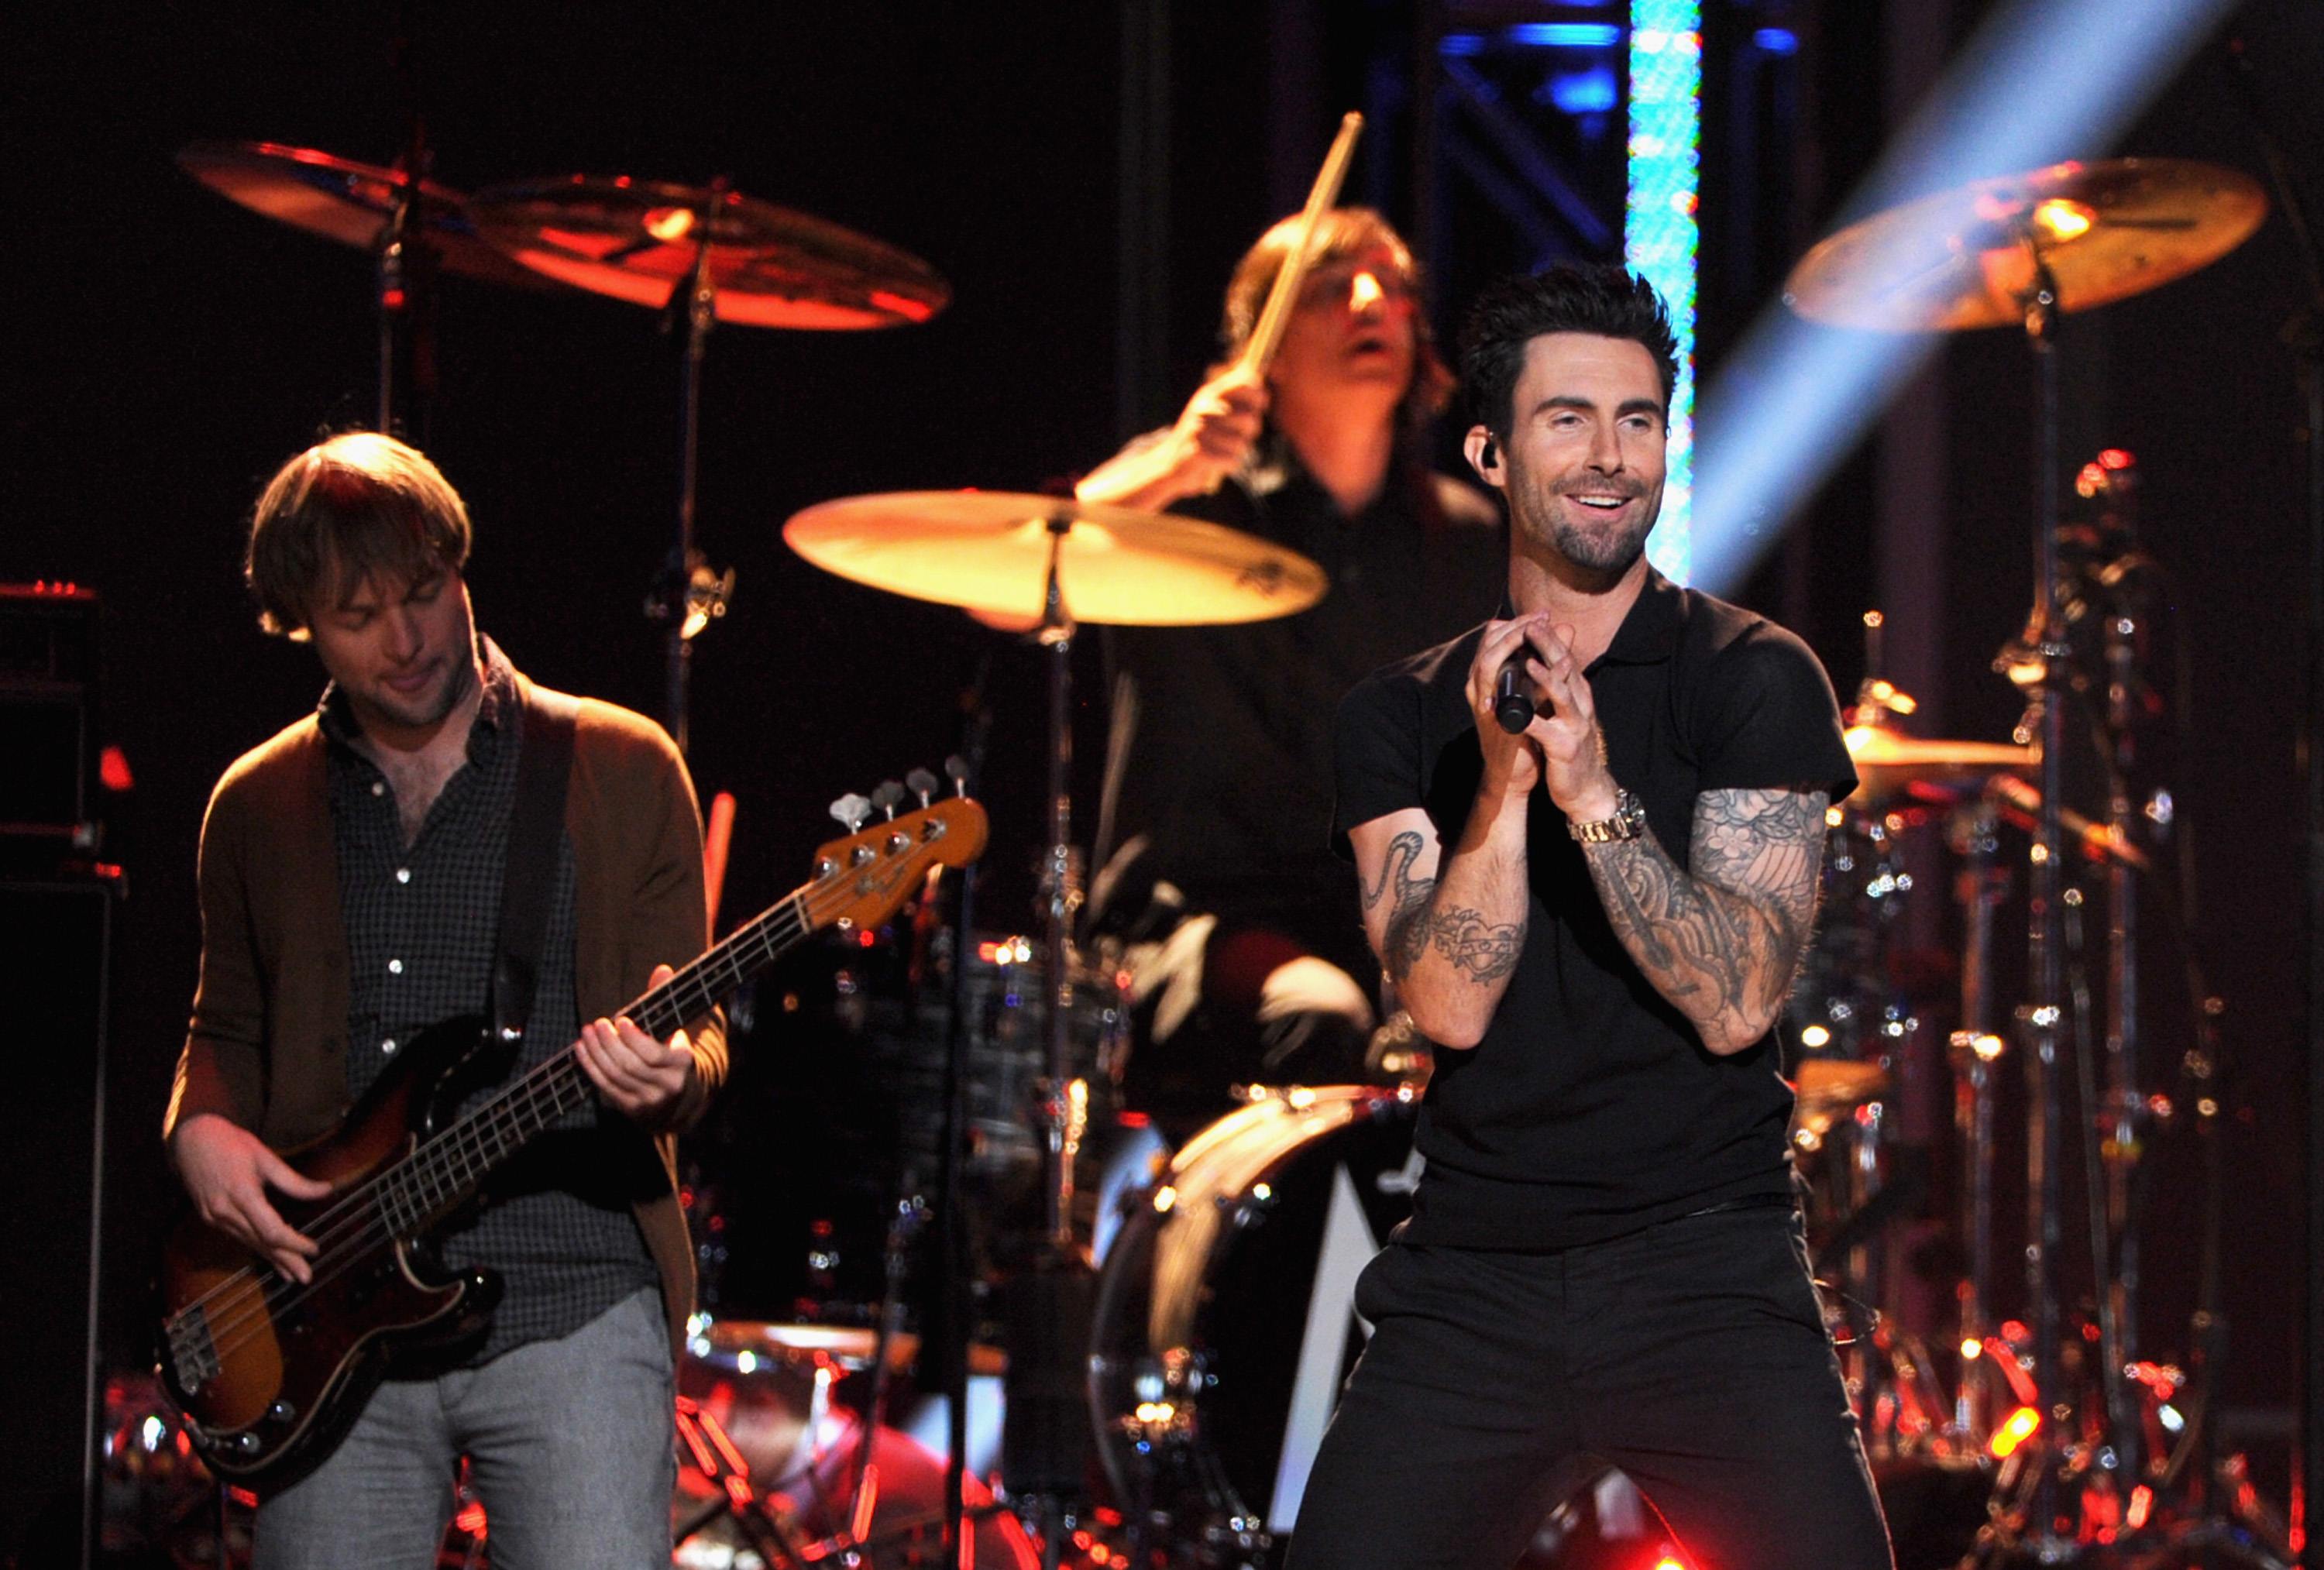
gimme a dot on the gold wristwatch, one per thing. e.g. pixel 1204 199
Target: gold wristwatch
pixel 1628 822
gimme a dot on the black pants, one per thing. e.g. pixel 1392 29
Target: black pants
pixel 1691 1355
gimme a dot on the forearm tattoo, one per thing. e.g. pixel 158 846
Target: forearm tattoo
pixel 1722 943
pixel 1478 949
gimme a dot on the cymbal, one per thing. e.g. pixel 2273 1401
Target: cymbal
pixel 343 200
pixel 635 240
pixel 1888 761
pixel 1825 1087
pixel 848 1346
pixel 1964 258
pixel 988 552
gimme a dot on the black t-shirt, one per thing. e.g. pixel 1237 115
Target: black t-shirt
pixel 1229 775
pixel 1591 1107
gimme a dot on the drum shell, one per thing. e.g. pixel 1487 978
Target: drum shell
pixel 1225 1322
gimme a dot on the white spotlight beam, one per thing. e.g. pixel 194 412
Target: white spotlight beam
pixel 2043 82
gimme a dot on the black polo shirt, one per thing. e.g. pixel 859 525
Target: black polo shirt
pixel 1592 1109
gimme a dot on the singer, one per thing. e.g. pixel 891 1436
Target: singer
pixel 1598 918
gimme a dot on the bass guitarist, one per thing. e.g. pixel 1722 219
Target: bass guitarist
pixel 364 874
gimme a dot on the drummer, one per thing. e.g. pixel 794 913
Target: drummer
pixel 1245 940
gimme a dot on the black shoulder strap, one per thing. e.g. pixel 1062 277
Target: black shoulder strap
pixel 529 880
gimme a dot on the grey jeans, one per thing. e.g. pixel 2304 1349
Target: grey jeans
pixel 569 1447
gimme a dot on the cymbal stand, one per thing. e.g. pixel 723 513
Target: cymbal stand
pixel 2116 590
pixel 686 595
pixel 404 262
pixel 1061 894
pixel 1044 1431
pixel 1976 1048
pixel 2042 1013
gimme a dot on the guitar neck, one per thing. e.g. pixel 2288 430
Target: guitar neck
pixel 446 1172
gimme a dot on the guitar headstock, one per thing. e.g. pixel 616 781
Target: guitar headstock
pixel 861 880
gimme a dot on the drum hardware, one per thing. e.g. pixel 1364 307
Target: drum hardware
pixel 702 256
pixel 2019 251
pixel 991 553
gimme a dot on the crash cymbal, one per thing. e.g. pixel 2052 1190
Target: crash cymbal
pixel 1964 258
pixel 342 200
pixel 1889 761
pixel 850 1346
pixel 988 552
pixel 635 240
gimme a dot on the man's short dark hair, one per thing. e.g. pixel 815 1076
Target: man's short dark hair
pixel 1605 301
pixel 358 505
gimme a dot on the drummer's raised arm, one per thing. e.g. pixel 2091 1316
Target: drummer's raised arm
pixel 1213 436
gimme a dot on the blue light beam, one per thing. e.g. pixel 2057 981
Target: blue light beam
pixel 2043 81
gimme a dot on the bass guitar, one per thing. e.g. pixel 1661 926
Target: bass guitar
pixel 269 1372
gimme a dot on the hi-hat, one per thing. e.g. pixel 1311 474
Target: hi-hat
pixel 1965 258
pixel 1888 761
pixel 988 551
pixel 637 240
pixel 343 200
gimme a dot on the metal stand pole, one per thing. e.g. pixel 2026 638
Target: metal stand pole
pixel 1976 1049
pixel 2043 1013
pixel 676 600
pixel 405 266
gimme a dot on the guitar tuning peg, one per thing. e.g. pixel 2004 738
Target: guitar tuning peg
pixel 888 797
pixel 955 769
pixel 921 783
pixel 850 809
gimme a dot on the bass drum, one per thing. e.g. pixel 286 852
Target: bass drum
pixel 1225 1319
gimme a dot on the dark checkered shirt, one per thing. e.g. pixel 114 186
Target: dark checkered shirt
pixel 420 923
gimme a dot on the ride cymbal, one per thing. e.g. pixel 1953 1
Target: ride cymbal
pixel 988 552
pixel 769 267
pixel 1965 258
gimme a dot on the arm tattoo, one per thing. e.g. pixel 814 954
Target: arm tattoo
pixel 1721 943
pixel 1478 949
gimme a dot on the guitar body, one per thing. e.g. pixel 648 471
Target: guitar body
pixel 271 1375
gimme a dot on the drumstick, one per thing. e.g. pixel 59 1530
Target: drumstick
pixel 1259 352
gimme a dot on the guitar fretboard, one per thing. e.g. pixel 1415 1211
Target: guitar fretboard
pixel 447 1170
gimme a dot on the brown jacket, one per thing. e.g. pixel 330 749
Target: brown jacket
pixel 267 1047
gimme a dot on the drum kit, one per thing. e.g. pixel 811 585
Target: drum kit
pixel 1169 1329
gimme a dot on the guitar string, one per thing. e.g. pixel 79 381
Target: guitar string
pixel 351 1208
pixel 281 1291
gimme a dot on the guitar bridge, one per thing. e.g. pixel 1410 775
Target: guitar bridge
pixel 193 1351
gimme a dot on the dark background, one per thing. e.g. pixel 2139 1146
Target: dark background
pixel 167 350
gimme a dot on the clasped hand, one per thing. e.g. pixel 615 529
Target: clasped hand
pixel 1561 748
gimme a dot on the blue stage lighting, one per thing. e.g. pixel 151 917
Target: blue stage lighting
pixel 2043 81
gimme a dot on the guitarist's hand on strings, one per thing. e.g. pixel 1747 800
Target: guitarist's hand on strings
pixel 227 1170
pixel 639 1077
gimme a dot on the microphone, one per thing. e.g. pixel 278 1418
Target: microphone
pixel 1513 703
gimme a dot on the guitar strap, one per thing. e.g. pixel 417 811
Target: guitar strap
pixel 529 879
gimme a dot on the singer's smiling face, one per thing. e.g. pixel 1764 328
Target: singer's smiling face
pixel 1583 464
